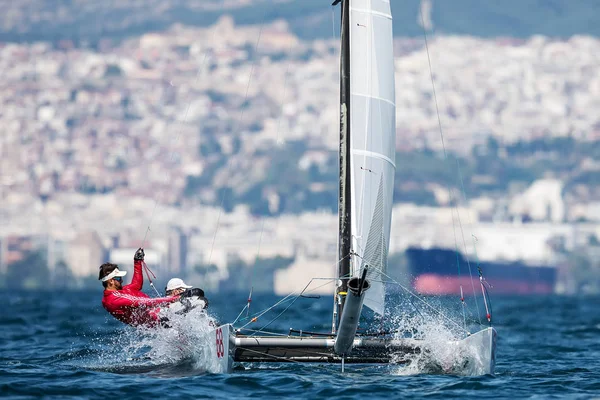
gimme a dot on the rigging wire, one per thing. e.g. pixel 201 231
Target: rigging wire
pixel 290 297
pixel 296 298
pixel 179 132
pixel 243 111
pixel 258 315
pixel 463 237
pixel 229 164
pixel 295 295
pixel 80 187
pixel 285 299
pixel 240 314
pixel 287 308
pixel 410 292
pixel 392 280
pixel 451 192
pixel 277 142
pixel 486 298
pixel 198 73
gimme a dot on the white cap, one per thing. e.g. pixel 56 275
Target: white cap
pixel 177 283
pixel 115 272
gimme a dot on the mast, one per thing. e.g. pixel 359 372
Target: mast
pixel 344 200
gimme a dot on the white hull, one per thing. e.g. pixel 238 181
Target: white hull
pixel 480 351
pixel 219 358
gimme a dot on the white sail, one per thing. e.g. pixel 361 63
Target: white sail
pixel 372 140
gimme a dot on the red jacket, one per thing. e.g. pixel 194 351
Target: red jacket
pixel 132 306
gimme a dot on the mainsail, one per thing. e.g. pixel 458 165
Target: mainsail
pixel 372 141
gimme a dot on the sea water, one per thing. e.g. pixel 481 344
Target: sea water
pixel 57 344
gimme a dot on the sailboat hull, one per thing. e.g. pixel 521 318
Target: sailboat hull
pixel 218 352
pixel 480 352
pixel 476 353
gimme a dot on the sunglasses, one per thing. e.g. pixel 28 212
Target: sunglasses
pixel 118 279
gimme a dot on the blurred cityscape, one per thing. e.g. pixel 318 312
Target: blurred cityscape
pixel 215 148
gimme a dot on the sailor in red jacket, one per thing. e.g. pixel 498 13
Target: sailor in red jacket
pixel 128 303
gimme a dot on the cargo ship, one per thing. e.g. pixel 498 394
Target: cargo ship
pixel 435 272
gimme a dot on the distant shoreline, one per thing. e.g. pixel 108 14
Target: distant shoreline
pixel 309 19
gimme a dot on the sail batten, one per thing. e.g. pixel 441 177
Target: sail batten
pixel 372 141
pixel 374 155
pixel 371 12
pixel 373 97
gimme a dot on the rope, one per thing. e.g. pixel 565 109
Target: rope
pixel 293 297
pixel 148 273
pixel 242 112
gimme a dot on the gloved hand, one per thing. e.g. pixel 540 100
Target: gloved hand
pixel 139 255
pixel 193 292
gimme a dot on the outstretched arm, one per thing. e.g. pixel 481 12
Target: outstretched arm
pixel 127 300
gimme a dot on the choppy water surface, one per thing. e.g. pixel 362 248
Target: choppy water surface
pixel 64 344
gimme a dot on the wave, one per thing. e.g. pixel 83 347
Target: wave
pixel 440 350
pixel 182 349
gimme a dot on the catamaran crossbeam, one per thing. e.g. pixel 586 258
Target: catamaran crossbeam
pixel 318 349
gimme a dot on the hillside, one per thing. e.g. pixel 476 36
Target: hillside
pixel 90 21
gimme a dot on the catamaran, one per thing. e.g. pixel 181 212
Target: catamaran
pixel 366 178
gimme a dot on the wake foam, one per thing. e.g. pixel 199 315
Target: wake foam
pixel 187 343
pixel 440 351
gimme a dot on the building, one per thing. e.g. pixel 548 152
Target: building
pixel 177 252
pixel 85 254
